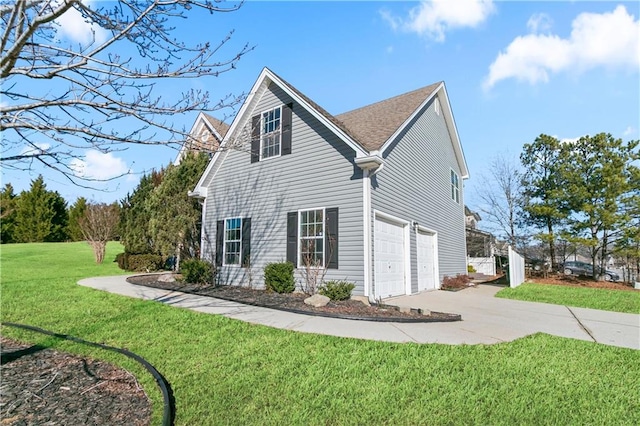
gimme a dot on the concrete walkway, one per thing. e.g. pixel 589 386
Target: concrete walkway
pixel 486 319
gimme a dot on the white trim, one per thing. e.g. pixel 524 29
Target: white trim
pixel 407 245
pixel 224 243
pixel 436 259
pixel 366 231
pixel 324 230
pixel 202 227
pixel 261 158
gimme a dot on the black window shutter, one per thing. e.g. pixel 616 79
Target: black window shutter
pixel 219 242
pixel 286 129
pixel 331 238
pixel 292 238
pixel 246 242
pixel 255 138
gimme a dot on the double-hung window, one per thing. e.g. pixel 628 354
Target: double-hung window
pixel 312 235
pixel 232 241
pixel 455 187
pixel 270 133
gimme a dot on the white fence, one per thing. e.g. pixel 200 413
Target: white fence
pixel 516 268
pixel 483 265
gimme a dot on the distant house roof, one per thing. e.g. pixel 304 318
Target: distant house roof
pixel 374 124
pixel 220 126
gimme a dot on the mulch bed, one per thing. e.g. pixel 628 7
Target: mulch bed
pixel 573 281
pixel 43 386
pixel 349 309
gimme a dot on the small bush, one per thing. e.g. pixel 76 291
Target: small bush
pixel 455 283
pixel 122 260
pixel 278 277
pixel 337 290
pixel 471 269
pixel 144 262
pixel 197 271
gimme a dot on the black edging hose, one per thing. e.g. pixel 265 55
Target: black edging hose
pixel 169 414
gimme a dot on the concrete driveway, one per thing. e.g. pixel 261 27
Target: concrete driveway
pixel 487 319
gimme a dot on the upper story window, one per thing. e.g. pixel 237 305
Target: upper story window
pixel 455 187
pixel 270 133
pixel 312 235
pixel 232 241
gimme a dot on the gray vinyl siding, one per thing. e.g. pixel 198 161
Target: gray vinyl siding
pixel 319 173
pixel 415 185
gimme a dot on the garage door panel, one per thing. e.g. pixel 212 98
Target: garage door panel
pixel 426 257
pixel 389 254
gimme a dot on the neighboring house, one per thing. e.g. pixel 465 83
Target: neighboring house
pixel 374 195
pixel 479 243
pixel 206 135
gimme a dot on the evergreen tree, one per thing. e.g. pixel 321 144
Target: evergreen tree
pixel 599 172
pixel 7 213
pixel 76 212
pixel 175 223
pixel 545 205
pixel 135 216
pixel 41 215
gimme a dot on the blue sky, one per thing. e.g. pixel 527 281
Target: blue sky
pixel 513 70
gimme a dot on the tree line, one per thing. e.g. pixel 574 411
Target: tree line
pixel 158 217
pixel 566 196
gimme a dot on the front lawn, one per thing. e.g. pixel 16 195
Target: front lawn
pixel 595 298
pixel 225 371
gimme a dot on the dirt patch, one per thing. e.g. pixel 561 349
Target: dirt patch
pixel 350 309
pixel 43 386
pixel 573 281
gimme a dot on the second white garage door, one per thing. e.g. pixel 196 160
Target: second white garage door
pixel 389 258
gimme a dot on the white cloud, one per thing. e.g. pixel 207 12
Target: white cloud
pixel 570 140
pixel 38 149
pixel 539 22
pixel 76 28
pixel 433 18
pixel 629 131
pixel 607 40
pixel 99 166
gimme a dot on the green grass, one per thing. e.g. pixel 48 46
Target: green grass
pixel 225 371
pixel 582 297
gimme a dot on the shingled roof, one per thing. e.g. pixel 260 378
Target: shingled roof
pixel 220 126
pixel 374 124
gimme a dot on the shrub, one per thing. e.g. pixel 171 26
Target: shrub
pixel 122 260
pixel 278 277
pixel 196 271
pixel 455 283
pixel 337 290
pixel 144 262
pixel 471 269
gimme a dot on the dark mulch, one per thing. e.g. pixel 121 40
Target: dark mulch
pixel 42 386
pixel 350 309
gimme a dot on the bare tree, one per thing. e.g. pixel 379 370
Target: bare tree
pixel 62 96
pixel 98 226
pixel 500 194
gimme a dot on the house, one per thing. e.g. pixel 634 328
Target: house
pixel 373 196
pixel 205 135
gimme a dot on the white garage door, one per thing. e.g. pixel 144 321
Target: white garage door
pixel 427 279
pixel 389 258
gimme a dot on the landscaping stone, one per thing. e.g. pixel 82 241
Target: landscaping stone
pixel 363 299
pixel 167 278
pixel 404 309
pixel 317 300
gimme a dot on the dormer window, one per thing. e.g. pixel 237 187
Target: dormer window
pixel 270 134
